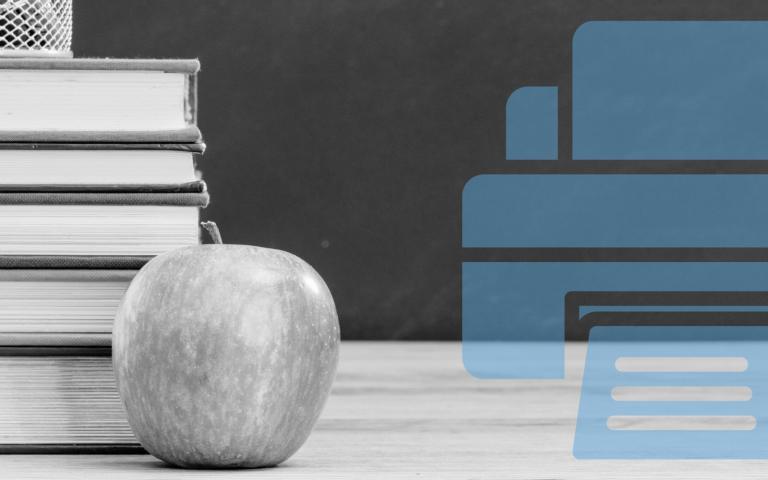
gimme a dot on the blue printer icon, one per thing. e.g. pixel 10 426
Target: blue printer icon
pixel 662 204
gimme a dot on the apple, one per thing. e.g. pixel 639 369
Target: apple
pixel 224 355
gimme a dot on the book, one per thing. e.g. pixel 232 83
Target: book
pixel 98 164
pixel 58 400
pixel 98 223
pixel 60 307
pixel 79 100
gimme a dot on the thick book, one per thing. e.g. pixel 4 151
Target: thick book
pixel 60 400
pixel 115 223
pixel 60 307
pixel 98 164
pixel 86 100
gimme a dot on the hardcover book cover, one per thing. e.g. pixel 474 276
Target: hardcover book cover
pixel 188 135
pixel 182 199
pixel 72 262
pixel 101 141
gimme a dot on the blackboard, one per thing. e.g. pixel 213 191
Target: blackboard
pixel 344 130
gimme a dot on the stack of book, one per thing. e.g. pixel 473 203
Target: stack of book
pixel 97 176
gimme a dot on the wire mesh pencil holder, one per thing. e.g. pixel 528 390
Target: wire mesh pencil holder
pixel 35 28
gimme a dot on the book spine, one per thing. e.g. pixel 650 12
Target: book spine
pixel 190 103
pixel 106 144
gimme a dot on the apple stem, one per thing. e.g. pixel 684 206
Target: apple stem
pixel 213 231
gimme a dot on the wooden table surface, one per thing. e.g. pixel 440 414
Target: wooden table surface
pixel 409 410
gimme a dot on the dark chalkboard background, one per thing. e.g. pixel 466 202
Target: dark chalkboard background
pixel 343 130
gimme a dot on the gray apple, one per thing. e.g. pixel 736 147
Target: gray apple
pixel 225 354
